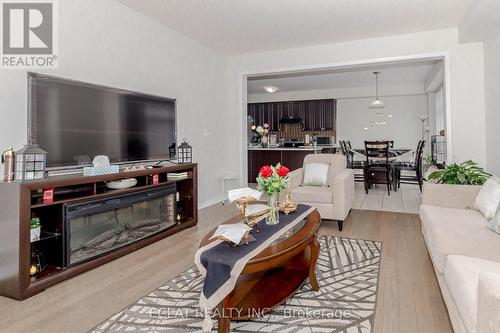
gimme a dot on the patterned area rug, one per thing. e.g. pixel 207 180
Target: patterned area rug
pixel 347 272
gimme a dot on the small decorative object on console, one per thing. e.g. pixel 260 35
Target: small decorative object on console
pixel 101 167
pixel 48 195
pixel 8 160
pixel 35 229
pixel 184 153
pixel 171 150
pixel 38 262
pixel 273 180
pixel 30 163
pixel 121 184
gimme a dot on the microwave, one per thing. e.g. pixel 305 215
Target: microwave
pixel 325 140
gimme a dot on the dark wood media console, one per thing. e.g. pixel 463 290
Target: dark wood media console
pixel 22 201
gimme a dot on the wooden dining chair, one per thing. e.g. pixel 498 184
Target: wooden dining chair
pixel 415 166
pixel 351 162
pixel 377 169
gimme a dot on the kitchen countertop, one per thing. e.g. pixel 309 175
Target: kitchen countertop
pixel 303 148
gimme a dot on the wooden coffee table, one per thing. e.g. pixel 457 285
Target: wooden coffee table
pixel 272 276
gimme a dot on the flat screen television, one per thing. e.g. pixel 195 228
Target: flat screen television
pixel 76 121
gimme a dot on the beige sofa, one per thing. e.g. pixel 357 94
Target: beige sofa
pixel 333 201
pixel 465 255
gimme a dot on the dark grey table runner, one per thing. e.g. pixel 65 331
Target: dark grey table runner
pixel 222 264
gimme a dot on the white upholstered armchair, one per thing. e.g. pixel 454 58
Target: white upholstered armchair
pixel 333 201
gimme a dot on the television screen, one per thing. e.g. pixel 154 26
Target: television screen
pixel 75 121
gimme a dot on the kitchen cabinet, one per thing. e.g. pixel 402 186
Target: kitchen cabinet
pixel 292 158
pixel 275 116
pixel 320 115
pixel 316 115
pixel 252 112
pixel 263 113
pixel 330 115
pixel 259 158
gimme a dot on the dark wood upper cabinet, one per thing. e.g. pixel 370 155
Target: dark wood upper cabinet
pixel 252 112
pixel 330 114
pixel 276 115
pixel 316 115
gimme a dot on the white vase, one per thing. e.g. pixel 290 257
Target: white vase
pixel 35 234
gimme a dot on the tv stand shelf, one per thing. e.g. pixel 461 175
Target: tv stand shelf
pixel 22 201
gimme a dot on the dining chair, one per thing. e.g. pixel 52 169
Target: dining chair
pixel 377 169
pixel 414 166
pixel 352 163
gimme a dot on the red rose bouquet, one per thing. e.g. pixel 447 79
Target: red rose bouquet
pixel 273 179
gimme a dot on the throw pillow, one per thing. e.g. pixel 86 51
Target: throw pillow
pixel 494 223
pixel 316 174
pixel 488 198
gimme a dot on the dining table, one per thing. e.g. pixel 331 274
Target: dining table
pixel 397 158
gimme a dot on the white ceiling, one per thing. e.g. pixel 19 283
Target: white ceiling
pixel 241 26
pixel 390 75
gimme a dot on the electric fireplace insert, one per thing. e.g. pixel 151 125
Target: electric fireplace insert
pixel 96 227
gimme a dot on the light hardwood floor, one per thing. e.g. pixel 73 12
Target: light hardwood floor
pixel 409 299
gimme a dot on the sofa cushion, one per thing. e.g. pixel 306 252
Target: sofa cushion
pixel 488 308
pixel 450 231
pixel 312 194
pixel 494 223
pixel 461 274
pixel 488 198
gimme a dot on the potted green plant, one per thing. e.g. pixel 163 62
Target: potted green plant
pixel 465 173
pixel 35 229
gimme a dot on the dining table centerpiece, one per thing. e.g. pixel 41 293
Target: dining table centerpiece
pixel 273 180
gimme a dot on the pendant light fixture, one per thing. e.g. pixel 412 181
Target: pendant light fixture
pixel 377 103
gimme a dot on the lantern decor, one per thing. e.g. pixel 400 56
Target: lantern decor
pixel 171 150
pixel 30 163
pixel 184 153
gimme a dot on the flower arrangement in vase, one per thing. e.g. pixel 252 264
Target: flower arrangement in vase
pixel 273 180
pixel 263 131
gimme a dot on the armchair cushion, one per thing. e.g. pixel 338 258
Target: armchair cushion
pixel 316 174
pixel 319 194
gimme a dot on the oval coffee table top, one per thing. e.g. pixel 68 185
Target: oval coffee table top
pixel 291 239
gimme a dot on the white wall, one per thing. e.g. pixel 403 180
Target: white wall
pixel 440 105
pixel 107 43
pixel 492 94
pixel 464 65
pixel 404 127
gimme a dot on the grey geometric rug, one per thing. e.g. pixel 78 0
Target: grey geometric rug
pixel 347 272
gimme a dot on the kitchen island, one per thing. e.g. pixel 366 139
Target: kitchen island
pixel 292 157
